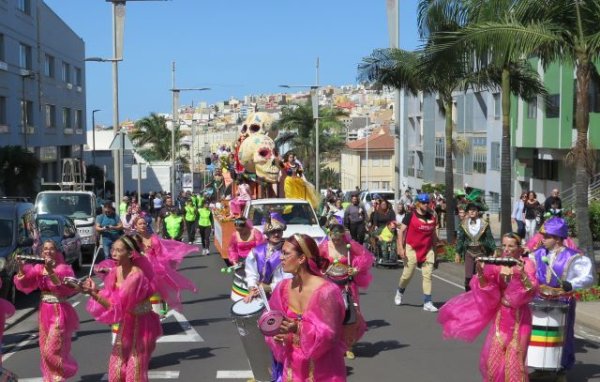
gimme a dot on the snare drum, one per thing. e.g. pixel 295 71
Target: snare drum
pixel 245 317
pixel 239 287
pixel 338 273
pixel 547 334
pixel 7 375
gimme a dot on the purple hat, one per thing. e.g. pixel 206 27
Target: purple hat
pixel 274 222
pixel 556 226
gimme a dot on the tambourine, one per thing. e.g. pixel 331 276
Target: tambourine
pixel 508 261
pixel 31 259
pixel 270 322
pixel 337 272
pixel 72 282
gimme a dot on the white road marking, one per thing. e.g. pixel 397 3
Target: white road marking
pixel 74 304
pixel 448 281
pixel 191 335
pixel 234 374
pixel 18 347
pixel 153 374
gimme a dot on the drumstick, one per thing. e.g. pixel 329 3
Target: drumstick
pixel 546 261
pixel 349 259
pixel 263 296
pixel 93 262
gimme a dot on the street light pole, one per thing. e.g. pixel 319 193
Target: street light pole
pixel 367 155
pixel 94 135
pixel 317 159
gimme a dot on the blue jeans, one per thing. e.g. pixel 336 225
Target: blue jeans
pixel 106 245
pixel 521 229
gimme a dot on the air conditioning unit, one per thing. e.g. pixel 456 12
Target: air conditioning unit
pixel 3 65
pixel 69 86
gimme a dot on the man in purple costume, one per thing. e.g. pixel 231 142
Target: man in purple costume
pixel 564 268
pixel 263 268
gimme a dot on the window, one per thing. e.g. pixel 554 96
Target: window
pixel 78 79
pixel 24 6
pixel 50 116
pixel 385 161
pixel 376 161
pixel 2 111
pixel 532 109
pixel 411 163
pixel 66 72
pixel 67 118
pixel 495 156
pixel 26 113
pixel 497 106
pixel 479 155
pixel 25 56
pixel 2 57
pixel 49 70
pixel 545 169
pixel 553 106
pixel 79 119
pixel 440 152
pixel 363 160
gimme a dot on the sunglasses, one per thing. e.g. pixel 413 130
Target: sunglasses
pixel 239 223
pixel 546 236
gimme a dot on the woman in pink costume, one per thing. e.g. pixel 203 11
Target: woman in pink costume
pixel 57 318
pixel 6 310
pixel 243 239
pixel 237 204
pixel 335 250
pixel 501 295
pixel 165 257
pixel 310 344
pixel 124 300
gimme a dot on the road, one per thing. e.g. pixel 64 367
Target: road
pixel 202 344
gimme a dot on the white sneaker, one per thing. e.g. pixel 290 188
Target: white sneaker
pixel 429 307
pixel 398 298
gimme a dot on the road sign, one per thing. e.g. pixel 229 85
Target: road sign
pixel 144 170
pixel 121 142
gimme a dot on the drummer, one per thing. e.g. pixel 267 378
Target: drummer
pixel 263 264
pixel 560 270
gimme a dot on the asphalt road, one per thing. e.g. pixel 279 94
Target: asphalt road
pixel 202 344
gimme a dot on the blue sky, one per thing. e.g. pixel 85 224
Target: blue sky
pixel 235 47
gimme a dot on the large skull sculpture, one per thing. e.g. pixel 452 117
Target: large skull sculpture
pixel 256 155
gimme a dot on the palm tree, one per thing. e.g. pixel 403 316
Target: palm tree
pixel 564 31
pixel 420 71
pixel 154 138
pixel 505 68
pixel 297 128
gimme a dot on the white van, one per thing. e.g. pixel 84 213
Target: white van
pixel 80 206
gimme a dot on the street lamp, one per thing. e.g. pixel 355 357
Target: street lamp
pixel 176 92
pixel 314 90
pixel 94 135
pixel 24 117
pixel 118 156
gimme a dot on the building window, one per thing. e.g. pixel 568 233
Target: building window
pixel 385 161
pixel 50 116
pixel 495 156
pixel 49 70
pixel 363 161
pixel 376 161
pixel 66 72
pixel 479 155
pixel 25 56
pixel 2 111
pixel 26 113
pixel 24 6
pixel 66 119
pixel 78 78
pixel 497 106
pixel 440 151
pixel 79 119
pixel 2 57
pixel 532 109
pixel 553 106
pixel 411 163
pixel 545 169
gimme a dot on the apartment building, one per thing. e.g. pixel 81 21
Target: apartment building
pixel 42 84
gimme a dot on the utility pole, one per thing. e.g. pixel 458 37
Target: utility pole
pixel 174 126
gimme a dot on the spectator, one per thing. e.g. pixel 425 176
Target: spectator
pixel 554 198
pixel 382 216
pixel 355 219
pixel 109 226
pixel 400 213
pixel 123 205
pixel 531 213
pixel 407 200
pixel 518 215
pixel 157 204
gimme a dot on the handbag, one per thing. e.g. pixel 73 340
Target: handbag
pixel 350 315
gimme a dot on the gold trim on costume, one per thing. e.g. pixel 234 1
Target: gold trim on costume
pixel 303 246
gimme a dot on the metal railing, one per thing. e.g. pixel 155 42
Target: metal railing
pixel 568 195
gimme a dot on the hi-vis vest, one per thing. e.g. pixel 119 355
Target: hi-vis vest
pixel 173 223
pixel 190 213
pixel 204 220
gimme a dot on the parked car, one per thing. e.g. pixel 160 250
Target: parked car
pixel 298 215
pixel 367 197
pixel 62 230
pixel 18 235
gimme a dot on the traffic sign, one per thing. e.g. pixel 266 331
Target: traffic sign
pixel 121 142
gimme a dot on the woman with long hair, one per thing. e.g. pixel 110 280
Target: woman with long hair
pixel 310 341
pixel 125 300
pixel 243 239
pixel 500 295
pixel 57 318
pixel 345 254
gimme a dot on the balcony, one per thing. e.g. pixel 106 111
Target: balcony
pixel 68 131
pixel 4 129
pixel 30 130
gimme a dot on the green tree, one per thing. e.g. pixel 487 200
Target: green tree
pixel 18 171
pixel 505 68
pixel 153 138
pixel 564 31
pixel 297 128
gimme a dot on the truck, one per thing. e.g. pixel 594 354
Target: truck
pixel 298 214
